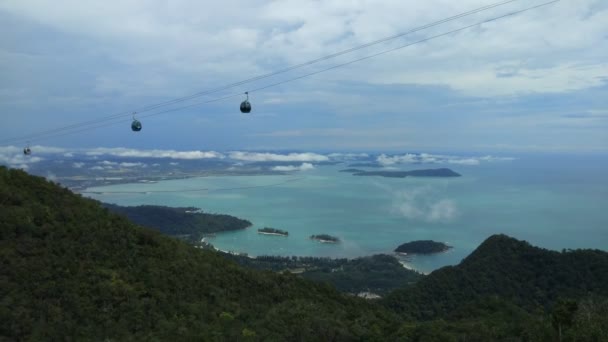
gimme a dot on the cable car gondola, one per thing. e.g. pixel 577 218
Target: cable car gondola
pixel 135 125
pixel 26 150
pixel 245 105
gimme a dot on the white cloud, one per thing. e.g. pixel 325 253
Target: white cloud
pixel 172 154
pixel 77 165
pixel 288 168
pixel 421 204
pixel 107 162
pixel 125 164
pixel 270 157
pixel 96 168
pixel 13 156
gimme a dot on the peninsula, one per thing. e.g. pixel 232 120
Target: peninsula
pixel 440 173
pixel 352 170
pixel 324 238
pixel 273 231
pixel 422 247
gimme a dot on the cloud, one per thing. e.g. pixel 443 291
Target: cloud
pixel 133 164
pixel 421 204
pixel 13 156
pixel 107 162
pixel 77 165
pixel 426 158
pixel 172 154
pixel 273 157
pixel 558 49
pixel 288 168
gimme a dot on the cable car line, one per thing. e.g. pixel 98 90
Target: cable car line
pixel 259 77
pixel 47 136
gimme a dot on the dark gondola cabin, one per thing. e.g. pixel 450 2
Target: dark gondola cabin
pixel 136 126
pixel 27 151
pixel 245 105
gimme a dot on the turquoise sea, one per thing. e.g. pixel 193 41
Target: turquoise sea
pixel 554 202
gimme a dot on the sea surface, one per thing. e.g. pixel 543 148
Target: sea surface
pixel 554 202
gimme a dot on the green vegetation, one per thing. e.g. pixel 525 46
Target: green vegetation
pixel 422 247
pixel 352 170
pixel 273 231
pixel 415 173
pixel 72 270
pixel 187 223
pixel 325 238
pixel 379 274
pixel 530 277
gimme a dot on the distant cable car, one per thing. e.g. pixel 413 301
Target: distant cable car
pixel 245 105
pixel 27 151
pixel 135 125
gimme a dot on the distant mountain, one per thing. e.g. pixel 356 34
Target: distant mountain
pixel 352 170
pixel 415 173
pixel 372 164
pixel 513 270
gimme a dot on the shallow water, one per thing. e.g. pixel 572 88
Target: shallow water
pixel 553 202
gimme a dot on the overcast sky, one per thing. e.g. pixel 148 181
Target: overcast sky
pixel 533 82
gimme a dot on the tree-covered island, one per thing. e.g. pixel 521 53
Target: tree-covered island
pixel 272 231
pixel 439 173
pixel 422 247
pixel 324 238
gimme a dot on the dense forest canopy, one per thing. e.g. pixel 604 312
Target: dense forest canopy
pixel 189 222
pixel 422 247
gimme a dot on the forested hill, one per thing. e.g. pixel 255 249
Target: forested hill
pixel 187 222
pixel 513 270
pixel 70 268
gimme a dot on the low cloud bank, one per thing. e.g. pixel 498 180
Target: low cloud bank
pixel 274 157
pixel 288 168
pixel 172 154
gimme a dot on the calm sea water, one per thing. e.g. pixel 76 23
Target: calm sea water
pixel 551 201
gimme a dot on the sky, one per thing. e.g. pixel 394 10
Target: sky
pixel 534 82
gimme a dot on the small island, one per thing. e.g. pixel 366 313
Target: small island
pixel 441 173
pixel 272 231
pixel 422 247
pixel 324 238
pixel 352 170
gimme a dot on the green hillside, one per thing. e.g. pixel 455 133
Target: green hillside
pixel 72 270
pixel 188 223
pixel 530 277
